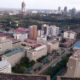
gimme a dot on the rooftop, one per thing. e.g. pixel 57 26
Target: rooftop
pixel 22 77
pixel 70 31
pixel 32 43
pixel 67 78
pixel 13 51
pixel 77 45
pixel 21 30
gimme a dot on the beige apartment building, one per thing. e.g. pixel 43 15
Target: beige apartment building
pixel 5 44
pixel 37 52
pixel 52 45
pixel 73 65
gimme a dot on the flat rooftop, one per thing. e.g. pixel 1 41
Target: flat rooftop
pixel 68 78
pixel 13 51
pixel 22 77
pixel 77 45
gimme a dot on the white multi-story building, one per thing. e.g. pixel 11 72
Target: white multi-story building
pixel 36 53
pixel 69 35
pixel 13 56
pixel 21 36
pixel 5 44
pixel 50 30
pixel 55 30
pixel 5 67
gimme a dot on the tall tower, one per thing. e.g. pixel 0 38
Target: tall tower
pixel 33 32
pixel 23 7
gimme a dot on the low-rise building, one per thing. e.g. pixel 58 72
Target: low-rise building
pixel 37 52
pixel 69 35
pixel 42 39
pixel 21 34
pixel 5 44
pixel 15 43
pixel 5 67
pixel 52 45
pixel 13 56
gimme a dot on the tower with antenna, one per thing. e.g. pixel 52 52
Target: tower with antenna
pixel 23 7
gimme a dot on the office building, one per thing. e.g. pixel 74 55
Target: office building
pixel 50 30
pixel 33 32
pixel 52 45
pixel 45 29
pixel 37 52
pixel 73 65
pixel 55 30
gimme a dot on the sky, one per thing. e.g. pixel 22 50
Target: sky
pixel 41 4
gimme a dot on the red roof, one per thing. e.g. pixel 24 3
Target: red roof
pixel 33 43
pixel 21 30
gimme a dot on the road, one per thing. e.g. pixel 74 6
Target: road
pixel 54 61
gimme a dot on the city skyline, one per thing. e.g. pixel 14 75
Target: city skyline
pixel 40 4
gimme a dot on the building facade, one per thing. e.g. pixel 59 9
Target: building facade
pixel 13 56
pixel 37 52
pixel 5 67
pixel 21 36
pixel 73 65
pixel 69 35
pixel 5 44
pixel 33 32
pixel 52 46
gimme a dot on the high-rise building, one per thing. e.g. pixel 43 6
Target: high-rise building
pixel 50 30
pixel 53 30
pixel 23 7
pixel 65 11
pixel 72 12
pixel 73 65
pixel 45 29
pixel 59 8
pixel 33 32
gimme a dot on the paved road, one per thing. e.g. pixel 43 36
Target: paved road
pixel 53 63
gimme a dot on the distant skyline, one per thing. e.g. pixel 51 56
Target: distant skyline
pixel 40 4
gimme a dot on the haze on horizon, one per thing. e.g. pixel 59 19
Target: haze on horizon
pixel 40 4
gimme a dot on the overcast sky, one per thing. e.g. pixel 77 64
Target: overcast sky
pixel 41 4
